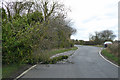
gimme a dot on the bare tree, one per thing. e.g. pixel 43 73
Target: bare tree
pixel 49 8
pixel 102 36
pixel 17 8
pixel 107 35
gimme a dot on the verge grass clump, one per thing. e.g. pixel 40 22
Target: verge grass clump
pixel 56 59
pixel 113 49
pixel 112 53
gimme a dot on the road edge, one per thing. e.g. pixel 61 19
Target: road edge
pixel 107 59
pixel 32 68
pixel 25 72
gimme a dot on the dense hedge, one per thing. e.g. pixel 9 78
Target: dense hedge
pixel 23 35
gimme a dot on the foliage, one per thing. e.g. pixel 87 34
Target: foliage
pixel 45 56
pixel 82 42
pixel 78 42
pixel 113 52
pixel 61 50
pixel 56 59
pixel 39 57
pixel 114 48
pixel 102 36
pixel 9 70
pixel 110 56
pixel 40 28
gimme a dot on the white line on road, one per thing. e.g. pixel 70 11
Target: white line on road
pixel 25 72
pixel 107 59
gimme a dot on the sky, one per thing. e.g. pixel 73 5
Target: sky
pixel 89 16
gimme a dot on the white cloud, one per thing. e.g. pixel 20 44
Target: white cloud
pixel 93 15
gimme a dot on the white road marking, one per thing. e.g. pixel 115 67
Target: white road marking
pixel 107 59
pixel 25 72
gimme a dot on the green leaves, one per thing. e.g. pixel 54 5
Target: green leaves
pixel 23 34
pixel 35 17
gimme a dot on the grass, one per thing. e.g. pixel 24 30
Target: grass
pixel 7 70
pixel 56 59
pixel 56 51
pixel 99 45
pixel 46 57
pixel 110 56
pixel 94 45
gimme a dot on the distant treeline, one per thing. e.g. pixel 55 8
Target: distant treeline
pixel 29 27
pixel 82 42
pixel 98 38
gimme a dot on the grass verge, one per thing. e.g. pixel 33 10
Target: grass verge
pixel 56 51
pixel 56 59
pixel 13 70
pixel 99 45
pixel 95 45
pixel 8 70
pixel 110 56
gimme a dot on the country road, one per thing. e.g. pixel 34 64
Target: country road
pixel 85 63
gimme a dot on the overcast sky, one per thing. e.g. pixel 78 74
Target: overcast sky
pixel 93 15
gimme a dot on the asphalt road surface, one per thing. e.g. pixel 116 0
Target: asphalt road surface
pixel 84 63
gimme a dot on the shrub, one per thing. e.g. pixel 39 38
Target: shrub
pixel 23 34
pixel 114 49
